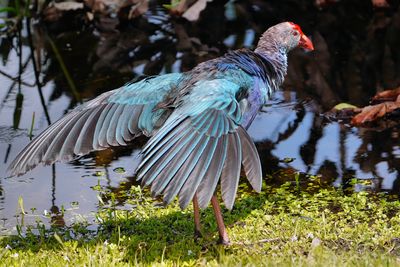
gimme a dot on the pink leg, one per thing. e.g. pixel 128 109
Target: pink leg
pixel 223 235
pixel 196 210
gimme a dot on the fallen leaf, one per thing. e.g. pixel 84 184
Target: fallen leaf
pixel 188 9
pixel 322 3
pixel 138 8
pixel 66 6
pixel 193 12
pixel 342 112
pixel 344 106
pixel 380 3
pixel 180 7
pixel 387 95
pixel 374 112
pixel 51 14
pixel 54 11
pixel 90 16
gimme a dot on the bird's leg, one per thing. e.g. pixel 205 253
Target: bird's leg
pixel 223 235
pixel 196 211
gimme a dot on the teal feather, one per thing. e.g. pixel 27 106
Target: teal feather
pixel 112 134
pixel 251 160
pixel 231 170
pixel 147 91
pixel 180 178
pixel 84 142
pixel 163 145
pixel 169 149
pixel 210 180
pixel 102 137
pixel 197 175
pixel 168 172
pixel 99 126
pixel 67 142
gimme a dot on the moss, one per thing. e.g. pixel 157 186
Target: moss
pixel 284 225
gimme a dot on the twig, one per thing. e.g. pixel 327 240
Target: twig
pixel 11 88
pixel 267 240
pixel 7 153
pixel 35 70
pixel 32 124
pixel 15 79
pixel 261 241
pixel 65 70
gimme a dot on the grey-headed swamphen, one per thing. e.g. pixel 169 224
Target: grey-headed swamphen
pixel 197 122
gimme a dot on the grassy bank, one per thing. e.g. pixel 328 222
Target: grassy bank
pixel 285 225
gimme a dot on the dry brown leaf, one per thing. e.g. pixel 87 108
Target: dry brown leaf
pixel 321 3
pixel 69 5
pixel 380 3
pixel 190 9
pixel 181 7
pixel 374 112
pixel 387 95
pixel 138 8
pixel 193 12
pixel 51 14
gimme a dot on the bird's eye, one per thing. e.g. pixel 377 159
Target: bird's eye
pixel 295 33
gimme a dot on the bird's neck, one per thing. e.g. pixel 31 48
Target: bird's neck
pixel 276 55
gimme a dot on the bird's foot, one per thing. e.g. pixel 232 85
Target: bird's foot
pixel 197 234
pixel 224 241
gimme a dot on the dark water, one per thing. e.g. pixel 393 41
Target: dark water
pixel 357 54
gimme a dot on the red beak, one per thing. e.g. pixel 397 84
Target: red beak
pixel 306 43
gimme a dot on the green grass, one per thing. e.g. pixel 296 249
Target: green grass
pixel 286 225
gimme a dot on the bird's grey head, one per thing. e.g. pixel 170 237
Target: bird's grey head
pixel 283 37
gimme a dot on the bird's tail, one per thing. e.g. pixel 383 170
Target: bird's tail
pixel 192 154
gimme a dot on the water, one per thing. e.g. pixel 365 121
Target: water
pixel 349 65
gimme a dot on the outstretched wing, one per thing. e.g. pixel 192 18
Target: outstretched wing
pixel 200 144
pixel 113 118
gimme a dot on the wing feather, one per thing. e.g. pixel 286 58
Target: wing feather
pixel 112 134
pixel 210 180
pixel 231 171
pixel 111 119
pixel 251 160
pixel 84 143
pixel 198 146
pixel 183 155
pixel 182 175
pixel 63 143
pixel 196 176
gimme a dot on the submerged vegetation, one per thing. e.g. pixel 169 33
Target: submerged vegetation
pixel 292 224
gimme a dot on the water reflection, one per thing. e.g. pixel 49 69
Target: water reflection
pixel 350 63
pixel 332 149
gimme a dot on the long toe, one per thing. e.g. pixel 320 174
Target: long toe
pixel 197 235
pixel 224 241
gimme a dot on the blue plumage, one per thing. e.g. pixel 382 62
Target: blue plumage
pixel 196 122
pixel 190 117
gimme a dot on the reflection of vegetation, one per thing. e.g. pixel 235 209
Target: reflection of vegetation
pixel 282 225
pixel 22 14
pixel 64 70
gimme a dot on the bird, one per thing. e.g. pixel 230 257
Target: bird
pixel 196 122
